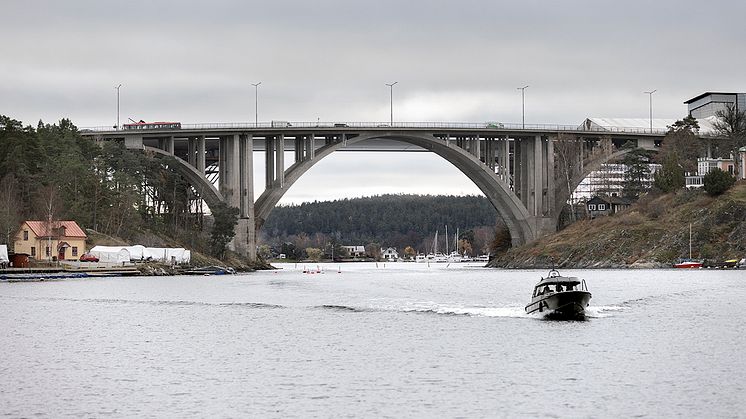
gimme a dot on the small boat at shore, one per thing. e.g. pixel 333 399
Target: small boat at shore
pixel 688 264
pixel 560 296
pixel 211 270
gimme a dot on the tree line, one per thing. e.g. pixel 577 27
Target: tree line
pixel 51 172
pixel 382 221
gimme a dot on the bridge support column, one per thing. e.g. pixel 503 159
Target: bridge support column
pixel 229 170
pixel 201 154
pixel 245 240
pixel 523 171
pixel 269 162
pixel 505 160
pixel 549 178
pixel 310 146
pixel 538 175
pixel 280 161
pixel 133 142
pixel 192 151
pixel 166 144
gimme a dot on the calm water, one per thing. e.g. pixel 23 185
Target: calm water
pixel 393 340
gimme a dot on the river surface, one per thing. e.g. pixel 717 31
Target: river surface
pixel 385 340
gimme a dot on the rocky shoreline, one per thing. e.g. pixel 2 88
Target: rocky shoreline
pixel 652 234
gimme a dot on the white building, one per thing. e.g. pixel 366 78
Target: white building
pixel 355 251
pixel 708 104
pixel 390 254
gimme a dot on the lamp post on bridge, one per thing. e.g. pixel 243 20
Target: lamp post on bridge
pixel 118 87
pixel 650 93
pixel 391 96
pixel 256 103
pixel 523 106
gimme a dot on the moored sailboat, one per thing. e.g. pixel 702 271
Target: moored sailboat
pixel 688 263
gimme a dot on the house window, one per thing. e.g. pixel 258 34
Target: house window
pixel 33 251
pixel 591 207
pixel 602 207
pixel 75 250
pixel 25 235
pixel 49 252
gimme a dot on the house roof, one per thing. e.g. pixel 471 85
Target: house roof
pixel 618 200
pixel 72 229
pixel 662 124
pixel 619 124
pixel 696 98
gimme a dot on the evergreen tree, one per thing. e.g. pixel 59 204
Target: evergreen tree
pixel 671 175
pixel 682 140
pixel 223 228
pixel 637 171
pixel 717 181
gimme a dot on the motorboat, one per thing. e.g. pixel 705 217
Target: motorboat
pixel 560 296
pixel 211 270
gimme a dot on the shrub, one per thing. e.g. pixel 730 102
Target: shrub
pixel 717 181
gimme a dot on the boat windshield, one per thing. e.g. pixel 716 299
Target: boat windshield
pixel 556 284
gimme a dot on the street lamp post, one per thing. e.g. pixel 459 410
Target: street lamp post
pixel 118 87
pixel 650 93
pixel 391 99
pixel 523 105
pixel 256 103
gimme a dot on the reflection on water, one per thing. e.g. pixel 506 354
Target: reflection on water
pixel 394 339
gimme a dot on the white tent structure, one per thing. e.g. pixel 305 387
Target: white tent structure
pixel 4 253
pixel 168 254
pixel 138 252
pixel 111 254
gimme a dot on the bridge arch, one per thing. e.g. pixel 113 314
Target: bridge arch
pixel 588 166
pixel 517 218
pixel 205 189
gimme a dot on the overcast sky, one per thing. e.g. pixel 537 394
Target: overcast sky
pixel 457 61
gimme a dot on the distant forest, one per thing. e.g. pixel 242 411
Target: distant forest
pixel 386 220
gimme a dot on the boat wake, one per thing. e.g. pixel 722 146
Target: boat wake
pixel 149 302
pixel 431 308
pixel 455 310
pixel 602 311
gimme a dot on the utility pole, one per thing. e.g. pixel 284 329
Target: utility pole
pixel 118 87
pixel 391 97
pixel 256 103
pixel 650 93
pixel 523 106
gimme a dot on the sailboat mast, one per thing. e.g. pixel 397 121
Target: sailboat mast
pixel 446 239
pixel 690 241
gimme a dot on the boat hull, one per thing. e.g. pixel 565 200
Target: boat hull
pixel 566 304
pixel 688 265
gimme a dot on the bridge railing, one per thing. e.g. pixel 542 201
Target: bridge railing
pixel 497 126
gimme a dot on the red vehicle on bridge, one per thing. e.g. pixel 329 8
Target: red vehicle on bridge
pixel 142 125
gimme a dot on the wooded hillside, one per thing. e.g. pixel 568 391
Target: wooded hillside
pixel 388 220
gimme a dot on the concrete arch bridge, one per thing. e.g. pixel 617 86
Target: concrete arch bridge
pixel 526 172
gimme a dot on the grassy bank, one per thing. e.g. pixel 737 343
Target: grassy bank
pixel 652 233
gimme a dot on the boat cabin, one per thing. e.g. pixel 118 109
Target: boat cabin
pixel 557 284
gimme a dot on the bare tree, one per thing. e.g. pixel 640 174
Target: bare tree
pixel 10 204
pixel 49 205
pixel 567 150
pixel 731 124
